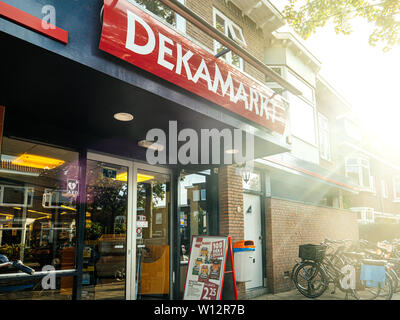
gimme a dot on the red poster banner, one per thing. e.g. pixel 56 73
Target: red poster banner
pixel 133 35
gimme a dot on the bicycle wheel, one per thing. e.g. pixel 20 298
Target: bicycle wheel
pixel 298 264
pixel 375 293
pixel 310 280
pixel 395 280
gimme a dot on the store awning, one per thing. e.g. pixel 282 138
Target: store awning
pixel 288 163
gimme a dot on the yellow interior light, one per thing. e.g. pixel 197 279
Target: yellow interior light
pixel 144 177
pixel 140 177
pixel 38 212
pixel 8 216
pixel 122 176
pixel 47 217
pixel 34 161
pixel 69 208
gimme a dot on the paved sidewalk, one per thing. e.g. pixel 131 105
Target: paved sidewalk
pixel 295 295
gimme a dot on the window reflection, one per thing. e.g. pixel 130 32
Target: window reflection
pixel 152 235
pixel 38 191
pixel 104 256
pixel 193 210
pixel 194 213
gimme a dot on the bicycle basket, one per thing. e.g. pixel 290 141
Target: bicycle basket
pixel 312 252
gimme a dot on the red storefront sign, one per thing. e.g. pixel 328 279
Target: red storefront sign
pixel 29 21
pixel 131 34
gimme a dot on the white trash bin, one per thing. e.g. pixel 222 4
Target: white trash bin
pixel 243 252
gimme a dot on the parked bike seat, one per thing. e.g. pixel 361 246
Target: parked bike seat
pixel 374 262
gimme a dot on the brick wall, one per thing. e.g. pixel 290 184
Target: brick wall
pixel 231 220
pixel 289 224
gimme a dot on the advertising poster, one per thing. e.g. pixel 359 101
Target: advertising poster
pixel 206 268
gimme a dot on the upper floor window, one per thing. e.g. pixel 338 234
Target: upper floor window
pixel 396 187
pixel 233 31
pixel 358 170
pixel 324 141
pixel 306 90
pixel 352 130
pixel 302 119
pixel 384 189
pixel 164 12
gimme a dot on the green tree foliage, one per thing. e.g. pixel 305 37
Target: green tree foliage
pixel 158 8
pixel 306 16
pixel 107 200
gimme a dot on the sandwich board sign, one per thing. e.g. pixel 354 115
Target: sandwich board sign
pixel 210 274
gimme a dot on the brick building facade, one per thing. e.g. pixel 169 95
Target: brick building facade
pixel 303 187
pixel 289 219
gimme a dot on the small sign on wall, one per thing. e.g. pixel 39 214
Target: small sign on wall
pixel 73 187
pixel 109 173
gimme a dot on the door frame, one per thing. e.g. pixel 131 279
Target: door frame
pixel 133 166
pixel 259 199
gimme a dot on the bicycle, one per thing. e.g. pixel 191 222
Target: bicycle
pixel 316 271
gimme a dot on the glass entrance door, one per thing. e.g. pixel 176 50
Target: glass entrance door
pixel 153 235
pixel 105 250
pixel 127 237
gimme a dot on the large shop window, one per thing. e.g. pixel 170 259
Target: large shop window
pixel 302 119
pixel 231 30
pixel 38 212
pixel 396 188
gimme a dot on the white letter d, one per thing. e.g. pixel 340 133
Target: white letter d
pixel 131 33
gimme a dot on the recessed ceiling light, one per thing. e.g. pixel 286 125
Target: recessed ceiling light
pixel 123 116
pixel 231 151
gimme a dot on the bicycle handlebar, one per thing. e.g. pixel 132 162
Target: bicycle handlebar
pixel 20 266
pixel 327 240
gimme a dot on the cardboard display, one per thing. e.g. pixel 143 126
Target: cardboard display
pixel 210 274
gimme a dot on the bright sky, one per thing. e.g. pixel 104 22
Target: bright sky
pixel 364 75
